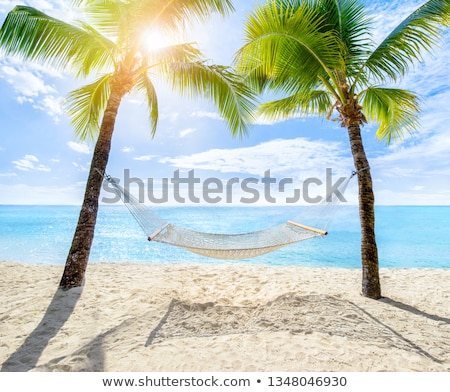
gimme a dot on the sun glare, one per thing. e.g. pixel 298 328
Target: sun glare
pixel 154 40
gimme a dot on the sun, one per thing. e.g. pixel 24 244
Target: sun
pixel 154 40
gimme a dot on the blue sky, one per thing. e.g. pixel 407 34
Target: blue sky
pixel 41 162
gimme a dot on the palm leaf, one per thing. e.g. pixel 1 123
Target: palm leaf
pixel 395 110
pixel 145 85
pixel 349 21
pixel 287 48
pixel 175 13
pixel 86 107
pixel 413 37
pixel 35 36
pixel 111 17
pixel 301 104
pixel 164 11
pixel 218 84
pixel 184 52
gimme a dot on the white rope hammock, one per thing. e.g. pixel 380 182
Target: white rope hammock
pixel 222 246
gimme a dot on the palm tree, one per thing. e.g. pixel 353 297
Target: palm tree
pixel 113 48
pixel 318 57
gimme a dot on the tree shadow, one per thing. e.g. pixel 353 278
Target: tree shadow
pixel 91 356
pixel 88 358
pixel 412 309
pixel 153 334
pixel 409 342
pixel 58 312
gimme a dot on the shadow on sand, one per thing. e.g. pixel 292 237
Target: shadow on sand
pixel 298 314
pixel 294 313
pixel 58 312
pixel 412 309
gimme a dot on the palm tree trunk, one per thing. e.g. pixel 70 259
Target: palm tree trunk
pixel 78 256
pixel 369 253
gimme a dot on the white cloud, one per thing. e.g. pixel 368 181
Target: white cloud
pixel 29 81
pixel 7 5
pixel 426 151
pixel 289 157
pixel 79 147
pixel 82 168
pixel 203 114
pixel 28 163
pixel 35 68
pixel 61 9
pixel 23 164
pixel 135 101
pixel 414 198
pixel 386 15
pixel 187 131
pixel 43 4
pixel 43 168
pixel 45 194
pixel 417 172
pixel 22 100
pixel 51 105
pixel 262 120
pixel 427 76
pixel 128 149
pixel 144 158
pixel 31 158
pixel 25 83
pixel 172 117
pixel 8 175
pixel 288 162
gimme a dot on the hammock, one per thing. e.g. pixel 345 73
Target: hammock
pixel 221 246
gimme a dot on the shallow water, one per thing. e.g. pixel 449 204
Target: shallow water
pixel 407 236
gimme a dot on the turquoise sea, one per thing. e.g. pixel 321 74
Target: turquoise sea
pixel 407 236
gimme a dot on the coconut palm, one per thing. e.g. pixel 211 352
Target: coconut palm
pixel 113 48
pixel 319 58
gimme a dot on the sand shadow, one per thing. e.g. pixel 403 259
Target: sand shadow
pixel 58 312
pixel 160 325
pixel 91 356
pixel 412 345
pixel 412 309
pixel 296 314
pixel 88 358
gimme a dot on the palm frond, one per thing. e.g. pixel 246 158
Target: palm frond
pixel 102 58
pixel 301 104
pixel 35 36
pixel 287 48
pixel 222 86
pixel 86 107
pixel 145 85
pixel 111 17
pixel 407 43
pixel 395 110
pixel 185 52
pixel 173 15
pixel 350 22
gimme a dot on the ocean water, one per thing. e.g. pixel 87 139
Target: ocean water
pixel 406 236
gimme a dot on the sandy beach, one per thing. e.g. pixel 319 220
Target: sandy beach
pixel 142 317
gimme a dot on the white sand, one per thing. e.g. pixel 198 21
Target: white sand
pixel 135 317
